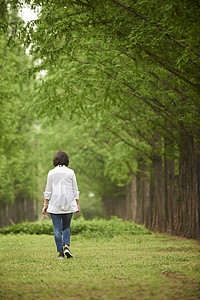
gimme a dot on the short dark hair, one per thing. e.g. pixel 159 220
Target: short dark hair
pixel 61 158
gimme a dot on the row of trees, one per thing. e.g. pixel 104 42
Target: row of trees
pixel 18 171
pixel 123 77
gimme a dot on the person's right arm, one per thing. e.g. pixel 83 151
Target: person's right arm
pixel 47 193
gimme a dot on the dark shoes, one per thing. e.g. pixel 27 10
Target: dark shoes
pixel 67 252
pixel 60 256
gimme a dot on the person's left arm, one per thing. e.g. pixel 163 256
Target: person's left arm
pixel 76 191
pixel 77 202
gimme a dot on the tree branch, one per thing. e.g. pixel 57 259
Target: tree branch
pixel 136 13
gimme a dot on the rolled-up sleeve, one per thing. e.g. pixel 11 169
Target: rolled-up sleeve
pixel 48 189
pixel 75 187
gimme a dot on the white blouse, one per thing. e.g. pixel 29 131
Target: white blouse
pixel 61 190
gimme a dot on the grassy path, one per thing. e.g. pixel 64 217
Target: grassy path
pixel 126 267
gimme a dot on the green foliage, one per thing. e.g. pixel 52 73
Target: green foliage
pixel 106 228
pixel 87 228
pixel 18 174
pixel 44 227
pixel 127 68
pixel 117 75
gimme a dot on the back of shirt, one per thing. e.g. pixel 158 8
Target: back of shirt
pixel 61 190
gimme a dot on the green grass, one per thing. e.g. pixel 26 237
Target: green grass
pixel 128 266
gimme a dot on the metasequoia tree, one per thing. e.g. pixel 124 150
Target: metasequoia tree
pixel 133 67
pixel 18 181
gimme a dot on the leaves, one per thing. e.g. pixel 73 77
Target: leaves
pixel 17 147
pixel 116 74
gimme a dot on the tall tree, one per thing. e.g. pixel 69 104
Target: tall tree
pixel 133 67
pixel 18 175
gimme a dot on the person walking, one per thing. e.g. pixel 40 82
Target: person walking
pixel 61 199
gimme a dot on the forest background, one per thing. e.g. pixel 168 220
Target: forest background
pixel 116 85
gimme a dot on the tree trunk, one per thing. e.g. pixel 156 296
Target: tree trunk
pixel 3 214
pixel 115 205
pixel 157 196
pixel 187 206
pixel 131 200
pixel 169 194
pixel 142 215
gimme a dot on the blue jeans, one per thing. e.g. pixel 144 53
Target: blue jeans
pixel 61 226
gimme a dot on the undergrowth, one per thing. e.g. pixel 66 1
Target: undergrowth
pixel 88 228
